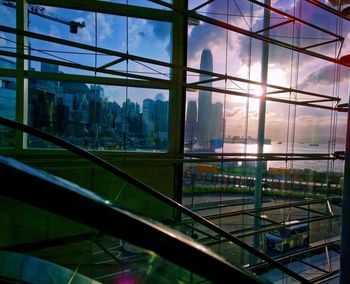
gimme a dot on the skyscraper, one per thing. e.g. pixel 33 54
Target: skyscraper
pixel 191 122
pixel 204 100
pixel 161 115
pixel 216 121
pixel 148 117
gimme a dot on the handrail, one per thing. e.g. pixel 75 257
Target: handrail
pixel 115 171
pixel 48 192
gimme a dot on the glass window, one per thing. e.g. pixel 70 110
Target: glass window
pixel 145 38
pixel 204 123
pixel 100 117
pixel 72 25
pixel 8 13
pixel 7 109
pixel 151 39
pixel 8 97
pixel 62 23
pixel 7 44
pixel 312 129
pixel 279 129
pixel 154 110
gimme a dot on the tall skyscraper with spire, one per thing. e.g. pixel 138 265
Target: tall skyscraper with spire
pixel 204 100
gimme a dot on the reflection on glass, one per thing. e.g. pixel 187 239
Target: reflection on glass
pixel 88 256
pixel 7 108
pixel 204 114
pixel 141 37
pixel 7 62
pixel 8 14
pixel 7 44
pixel 100 117
pixel 133 199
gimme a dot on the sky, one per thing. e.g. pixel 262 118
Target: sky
pixel 233 54
pixel 239 56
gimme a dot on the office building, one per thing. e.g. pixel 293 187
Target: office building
pixel 205 100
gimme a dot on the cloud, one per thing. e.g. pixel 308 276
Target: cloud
pixel 210 36
pixel 104 26
pixel 160 30
pixel 54 31
pixel 135 34
pixel 317 118
pixel 232 112
pixel 324 76
pixel 205 35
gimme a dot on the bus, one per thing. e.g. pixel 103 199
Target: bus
pixel 294 234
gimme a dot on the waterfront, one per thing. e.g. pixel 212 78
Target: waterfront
pixel 275 147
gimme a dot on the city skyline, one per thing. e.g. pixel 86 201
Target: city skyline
pixel 84 115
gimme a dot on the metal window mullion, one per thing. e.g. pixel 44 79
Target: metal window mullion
pixel 110 8
pixel 247 81
pixel 82 46
pixel 216 90
pixel 261 126
pixel 150 84
pixel 79 66
pixel 177 97
pixel 21 66
pixel 244 32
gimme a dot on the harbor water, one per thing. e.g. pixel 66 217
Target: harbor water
pixel 297 148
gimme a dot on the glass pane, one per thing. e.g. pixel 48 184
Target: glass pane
pixel 111 31
pixel 146 38
pixel 229 187
pixel 42 247
pixel 7 44
pixel 7 109
pixel 151 39
pixel 204 131
pixel 62 23
pixel 134 199
pixel 279 129
pixel 76 26
pixel 8 97
pixel 8 14
pixel 100 117
pixel 313 128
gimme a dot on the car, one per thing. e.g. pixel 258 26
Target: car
pixel 291 235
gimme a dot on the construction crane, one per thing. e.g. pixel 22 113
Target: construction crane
pixel 44 13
